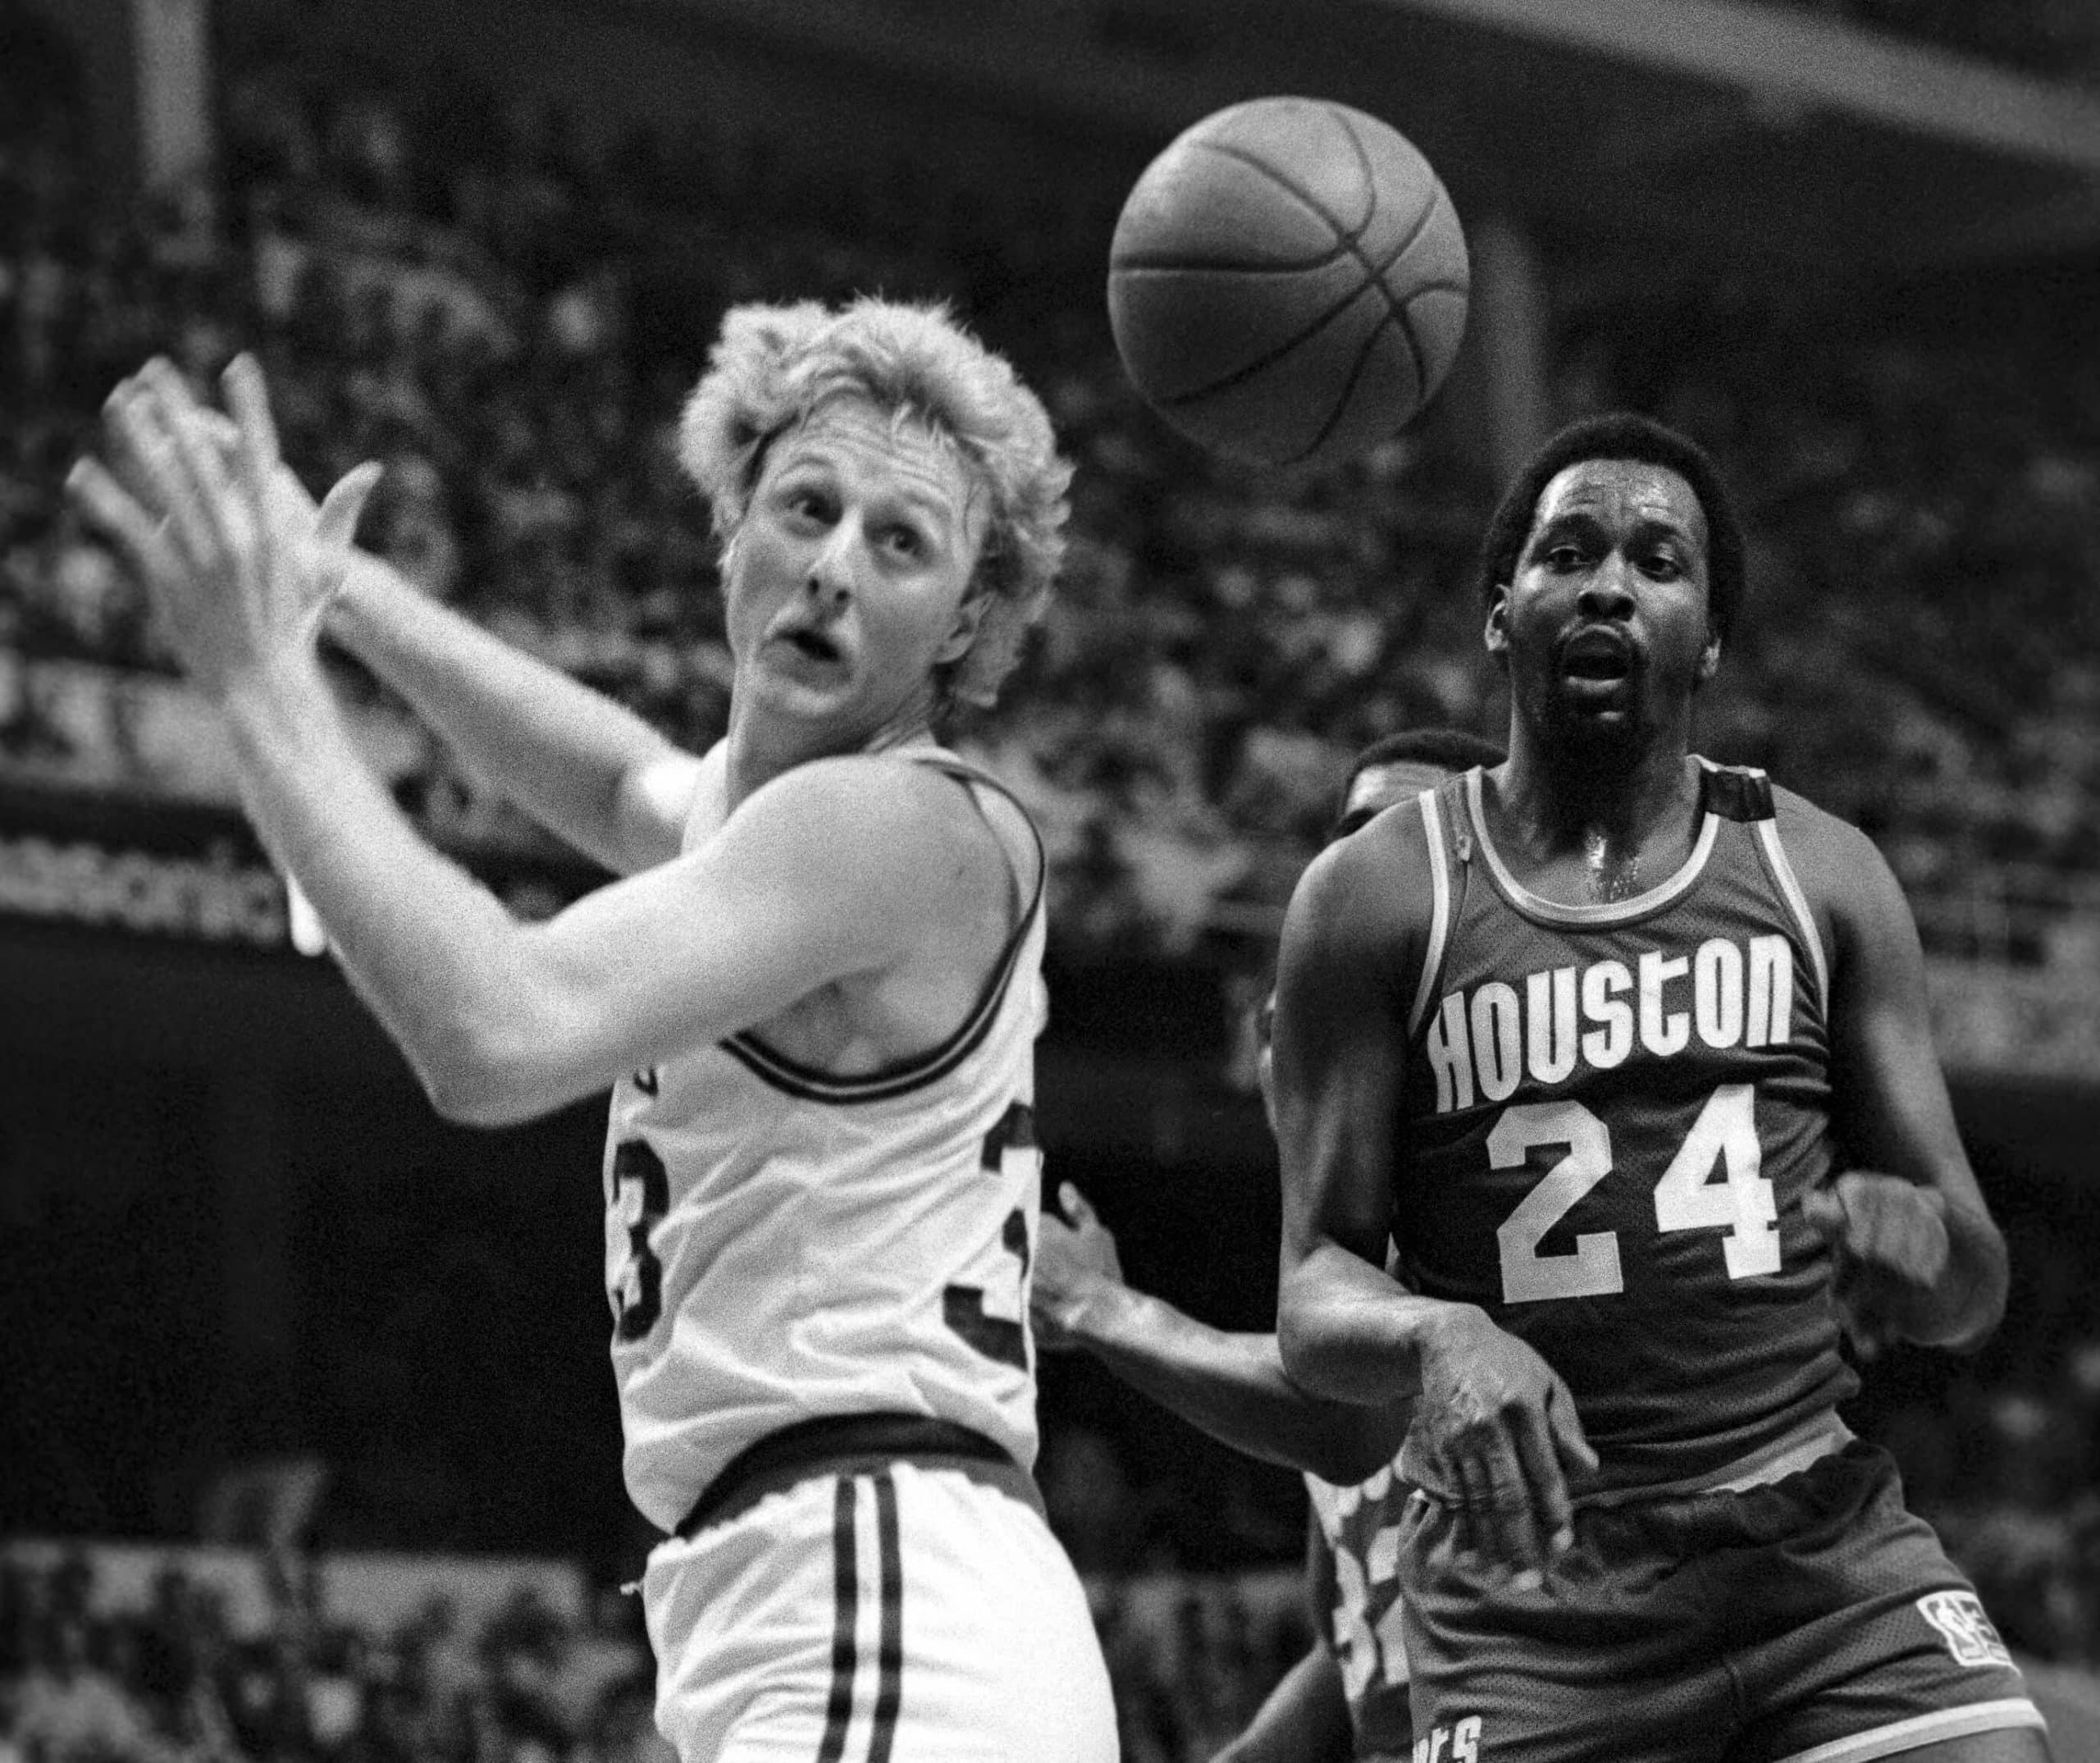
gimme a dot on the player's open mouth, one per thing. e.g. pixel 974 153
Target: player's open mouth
pixel 811 643
pixel 1599 655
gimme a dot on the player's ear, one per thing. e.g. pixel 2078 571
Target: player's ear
pixel 1710 657
pixel 1497 634
pixel 968 616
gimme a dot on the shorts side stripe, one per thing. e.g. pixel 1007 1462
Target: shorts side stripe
pixel 846 1600
pixel 889 1692
pixel 1924 1730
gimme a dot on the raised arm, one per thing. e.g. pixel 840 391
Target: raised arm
pixel 587 768
pixel 1231 1386
pixel 1923 1260
pixel 821 876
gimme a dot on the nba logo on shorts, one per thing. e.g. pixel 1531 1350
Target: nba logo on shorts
pixel 1964 1628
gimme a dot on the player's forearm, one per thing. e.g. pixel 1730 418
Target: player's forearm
pixel 1233 1387
pixel 1304 1720
pixel 1348 1332
pixel 423 944
pixel 557 749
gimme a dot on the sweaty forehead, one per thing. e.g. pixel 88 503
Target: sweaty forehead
pixel 882 450
pixel 1624 491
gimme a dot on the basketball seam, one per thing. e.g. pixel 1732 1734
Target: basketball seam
pixel 1398 311
pixel 1126 266
pixel 1349 389
pixel 1348 235
pixel 1284 348
pixel 1349 243
pixel 1210 387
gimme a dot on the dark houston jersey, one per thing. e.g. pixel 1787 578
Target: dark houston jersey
pixel 1612 1112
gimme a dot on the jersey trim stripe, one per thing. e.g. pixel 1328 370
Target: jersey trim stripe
pixel 1924 1730
pixel 1617 913
pixel 889 1691
pixel 809 1083
pixel 845 1599
pixel 1440 911
pixel 1782 872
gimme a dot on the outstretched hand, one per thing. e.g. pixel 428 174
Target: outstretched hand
pixel 1075 1262
pixel 1498 1426
pixel 1892 1247
pixel 240 573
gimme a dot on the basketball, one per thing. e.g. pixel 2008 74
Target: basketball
pixel 1287 283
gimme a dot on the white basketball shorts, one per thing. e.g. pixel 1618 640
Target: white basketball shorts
pixel 902 1615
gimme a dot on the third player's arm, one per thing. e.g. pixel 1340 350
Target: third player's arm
pixel 1304 1718
pixel 1895 1117
pixel 1231 1386
pixel 584 767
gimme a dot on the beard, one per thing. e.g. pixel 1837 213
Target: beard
pixel 1586 750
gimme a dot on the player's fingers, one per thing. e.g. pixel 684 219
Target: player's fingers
pixel 1512 1537
pixel 201 467
pixel 247 398
pixel 158 475
pixel 248 402
pixel 1564 1428
pixel 340 512
pixel 116 513
pixel 1552 1511
pixel 1075 1205
pixel 1468 1489
pixel 1824 1212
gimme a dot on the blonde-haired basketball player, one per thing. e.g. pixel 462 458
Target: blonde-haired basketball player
pixel 815 997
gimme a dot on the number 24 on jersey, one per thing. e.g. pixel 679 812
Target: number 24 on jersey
pixel 1742 1204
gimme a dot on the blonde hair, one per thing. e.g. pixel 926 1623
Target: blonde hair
pixel 771 369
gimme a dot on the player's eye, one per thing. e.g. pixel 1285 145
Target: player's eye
pixel 1566 558
pixel 806 503
pixel 905 541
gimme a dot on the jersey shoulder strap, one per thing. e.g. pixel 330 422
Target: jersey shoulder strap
pixel 1734 792
pixel 954 765
pixel 1447 835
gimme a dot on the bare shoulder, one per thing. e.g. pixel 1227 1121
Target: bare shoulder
pixel 890 820
pixel 1371 895
pixel 1847 879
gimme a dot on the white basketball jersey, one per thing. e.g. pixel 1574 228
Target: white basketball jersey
pixel 783 1243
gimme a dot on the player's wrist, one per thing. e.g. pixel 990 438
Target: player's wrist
pixel 270 702
pixel 1099 1311
pixel 1448 1336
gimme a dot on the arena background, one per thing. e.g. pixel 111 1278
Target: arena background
pixel 306 1435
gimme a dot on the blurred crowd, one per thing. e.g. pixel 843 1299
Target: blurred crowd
pixel 450 284
pixel 86 1677
pixel 83 1679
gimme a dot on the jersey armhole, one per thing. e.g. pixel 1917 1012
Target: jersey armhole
pixel 1440 909
pixel 1795 898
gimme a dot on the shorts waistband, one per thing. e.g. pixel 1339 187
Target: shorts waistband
pixel 1790 1454
pixel 855 1445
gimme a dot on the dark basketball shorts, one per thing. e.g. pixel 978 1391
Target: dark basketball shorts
pixel 1811 1621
